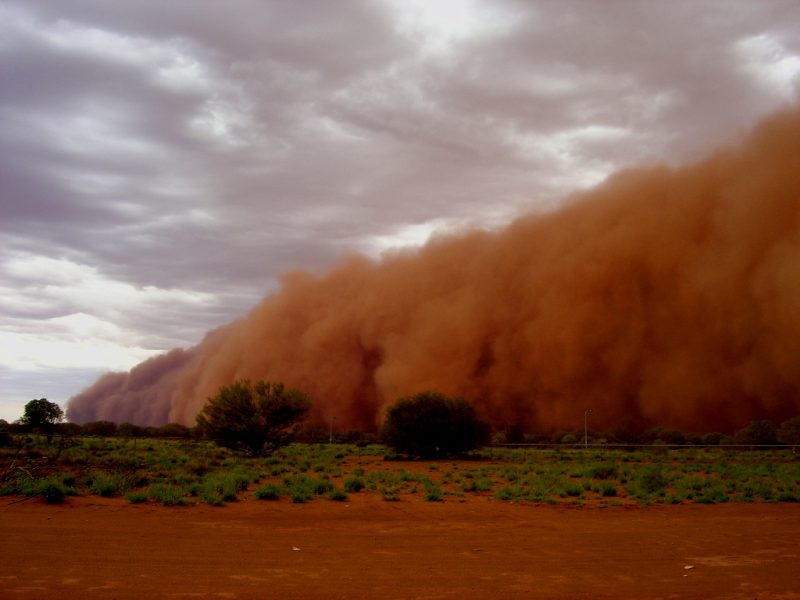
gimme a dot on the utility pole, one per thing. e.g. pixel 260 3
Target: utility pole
pixel 586 427
pixel 330 437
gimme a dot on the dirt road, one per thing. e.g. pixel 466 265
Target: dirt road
pixel 370 548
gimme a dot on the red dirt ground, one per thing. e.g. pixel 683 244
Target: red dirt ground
pixel 370 548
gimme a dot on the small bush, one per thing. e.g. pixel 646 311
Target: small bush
pixel 53 492
pixel 504 493
pixel 270 491
pixel 225 487
pixel 652 481
pixel 136 497
pixel 167 494
pixel 602 471
pixel 390 494
pixel 337 496
pixel 321 486
pixel 52 489
pixel 433 493
pixel 608 490
pixel 353 484
pixel 300 496
pixel 103 484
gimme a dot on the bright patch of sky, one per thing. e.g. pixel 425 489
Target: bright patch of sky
pixel 440 25
pixel 768 61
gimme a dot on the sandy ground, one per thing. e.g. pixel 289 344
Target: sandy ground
pixel 370 548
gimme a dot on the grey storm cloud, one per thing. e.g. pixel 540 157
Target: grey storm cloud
pixel 192 152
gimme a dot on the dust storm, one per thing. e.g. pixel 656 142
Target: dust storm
pixel 665 296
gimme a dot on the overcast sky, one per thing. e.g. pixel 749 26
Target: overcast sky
pixel 163 163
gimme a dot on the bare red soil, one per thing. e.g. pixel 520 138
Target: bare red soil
pixel 370 548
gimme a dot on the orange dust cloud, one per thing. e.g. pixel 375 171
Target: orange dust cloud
pixel 665 296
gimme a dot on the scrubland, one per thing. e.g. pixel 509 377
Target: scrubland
pixel 184 472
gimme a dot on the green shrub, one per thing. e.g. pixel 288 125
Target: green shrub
pixel 136 497
pixel 229 484
pixel 433 493
pixel 353 484
pixel 337 495
pixel 167 494
pixel 52 489
pixel 653 481
pixel 602 471
pixel 504 493
pixel 103 484
pixel 53 492
pixel 301 488
pixel 608 490
pixel 390 494
pixel 299 495
pixel 321 486
pixel 270 491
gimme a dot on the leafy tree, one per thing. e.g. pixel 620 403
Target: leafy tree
pixel 757 433
pixel 431 425
pixel 256 418
pixel 789 432
pixel 42 415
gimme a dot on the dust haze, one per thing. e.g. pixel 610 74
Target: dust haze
pixel 665 296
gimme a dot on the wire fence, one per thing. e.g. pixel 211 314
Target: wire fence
pixel 651 446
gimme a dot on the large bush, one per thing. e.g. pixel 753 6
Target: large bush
pixel 256 418
pixel 431 425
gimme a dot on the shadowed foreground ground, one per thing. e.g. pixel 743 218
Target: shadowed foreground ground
pixel 369 548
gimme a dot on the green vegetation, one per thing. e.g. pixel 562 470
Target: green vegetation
pixel 242 448
pixel 176 472
pixel 256 418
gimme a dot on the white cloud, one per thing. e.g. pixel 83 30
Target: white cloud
pixel 441 24
pixel 87 301
pixel 771 64
pixel 70 342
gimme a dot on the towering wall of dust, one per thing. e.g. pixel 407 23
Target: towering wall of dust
pixel 665 296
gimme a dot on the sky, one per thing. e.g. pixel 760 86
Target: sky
pixel 163 164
